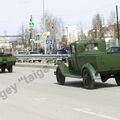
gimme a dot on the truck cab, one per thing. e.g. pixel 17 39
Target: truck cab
pixel 80 51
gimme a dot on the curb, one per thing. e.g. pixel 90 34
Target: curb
pixel 35 65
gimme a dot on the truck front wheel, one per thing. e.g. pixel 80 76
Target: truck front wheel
pixel 3 68
pixel 60 77
pixel 117 79
pixel 88 82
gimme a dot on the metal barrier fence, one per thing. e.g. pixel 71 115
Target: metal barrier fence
pixel 42 57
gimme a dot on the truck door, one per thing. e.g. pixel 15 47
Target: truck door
pixel 73 58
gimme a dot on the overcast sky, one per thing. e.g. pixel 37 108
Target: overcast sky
pixel 14 13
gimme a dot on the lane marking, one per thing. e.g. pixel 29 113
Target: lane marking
pixel 95 114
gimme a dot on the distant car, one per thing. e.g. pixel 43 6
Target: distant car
pixel 27 53
pixel 33 53
pixel 59 51
pixel 21 53
pixel 113 50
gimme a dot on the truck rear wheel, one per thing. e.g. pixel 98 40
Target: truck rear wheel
pixel 103 77
pixel 117 79
pixel 60 77
pixel 88 82
pixel 10 68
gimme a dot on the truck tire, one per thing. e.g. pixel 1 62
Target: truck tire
pixel 3 68
pixel 88 82
pixel 117 79
pixel 10 68
pixel 103 77
pixel 60 77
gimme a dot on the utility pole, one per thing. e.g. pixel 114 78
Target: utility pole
pixel 44 28
pixel 31 26
pixel 43 16
pixel 117 25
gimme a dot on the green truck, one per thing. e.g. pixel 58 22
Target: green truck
pixel 89 60
pixel 6 61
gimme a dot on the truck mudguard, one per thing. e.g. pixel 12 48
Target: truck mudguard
pixel 91 69
pixel 64 69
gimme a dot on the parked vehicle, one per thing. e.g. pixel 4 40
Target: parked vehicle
pixel 27 53
pixel 21 53
pixel 33 53
pixel 89 64
pixel 60 52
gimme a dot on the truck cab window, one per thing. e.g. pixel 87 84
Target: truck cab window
pixel 73 49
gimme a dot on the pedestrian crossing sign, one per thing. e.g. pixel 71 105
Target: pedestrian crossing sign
pixel 44 34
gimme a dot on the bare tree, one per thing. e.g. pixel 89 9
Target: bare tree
pixel 64 41
pixel 81 34
pixel 112 25
pixel 97 26
pixel 111 19
pixel 54 26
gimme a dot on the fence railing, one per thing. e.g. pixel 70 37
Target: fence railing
pixel 41 57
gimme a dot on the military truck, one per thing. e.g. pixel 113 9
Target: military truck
pixel 90 61
pixel 6 61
